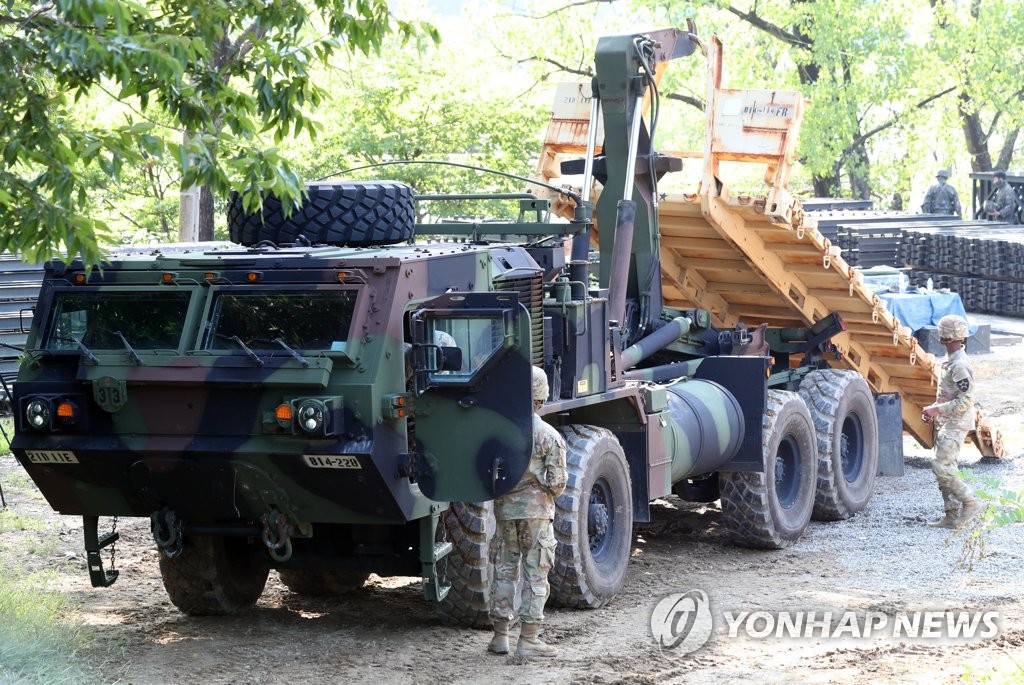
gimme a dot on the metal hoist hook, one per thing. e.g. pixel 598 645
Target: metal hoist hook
pixel 277 536
pixel 166 529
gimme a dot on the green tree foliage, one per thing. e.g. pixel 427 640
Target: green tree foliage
pixel 976 49
pixel 897 88
pixel 459 102
pixel 237 72
pixel 444 106
pixel 1003 506
pixel 851 58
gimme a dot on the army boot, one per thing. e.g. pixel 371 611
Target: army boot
pixel 947 521
pixel 530 643
pixel 972 507
pixel 499 642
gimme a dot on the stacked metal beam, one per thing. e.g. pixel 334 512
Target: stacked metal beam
pixel 980 248
pixel 19 288
pixel 983 261
pixel 872 238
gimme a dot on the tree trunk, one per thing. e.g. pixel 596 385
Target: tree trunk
pixel 857 166
pixel 1006 154
pixel 825 186
pixel 205 214
pixel 188 215
pixel 974 135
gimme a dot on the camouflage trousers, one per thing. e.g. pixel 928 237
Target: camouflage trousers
pixel 952 486
pixel 527 544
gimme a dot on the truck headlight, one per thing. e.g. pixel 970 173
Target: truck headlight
pixel 310 416
pixel 37 414
pixel 318 417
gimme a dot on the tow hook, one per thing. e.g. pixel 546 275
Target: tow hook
pixel 277 534
pixel 166 528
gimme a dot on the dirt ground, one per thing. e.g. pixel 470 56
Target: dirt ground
pixel 884 560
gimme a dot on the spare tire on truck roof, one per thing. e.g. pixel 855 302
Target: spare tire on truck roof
pixel 344 213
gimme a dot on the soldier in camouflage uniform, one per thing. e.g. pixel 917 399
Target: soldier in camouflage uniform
pixel 953 415
pixel 941 198
pixel 1002 203
pixel 525 537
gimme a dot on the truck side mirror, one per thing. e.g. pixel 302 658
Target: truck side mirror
pixel 451 359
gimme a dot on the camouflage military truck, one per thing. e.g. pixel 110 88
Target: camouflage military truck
pixel 329 396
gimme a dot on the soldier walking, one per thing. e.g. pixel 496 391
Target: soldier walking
pixel 1002 203
pixel 953 415
pixel 941 198
pixel 525 537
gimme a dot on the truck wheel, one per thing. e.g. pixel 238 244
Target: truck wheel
pixel 214 575
pixel 593 520
pixel 341 213
pixel 770 510
pixel 321 582
pixel 843 411
pixel 469 526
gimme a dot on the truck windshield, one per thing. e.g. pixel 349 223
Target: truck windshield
pixel 303 320
pixel 148 320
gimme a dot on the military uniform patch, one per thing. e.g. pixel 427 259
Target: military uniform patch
pixel 964 384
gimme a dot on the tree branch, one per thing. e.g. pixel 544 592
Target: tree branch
pixel 691 100
pixel 28 18
pixel 245 43
pixel 581 3
pixel 558 65
pixel 126 217
pixel 863 137
pixel 759 22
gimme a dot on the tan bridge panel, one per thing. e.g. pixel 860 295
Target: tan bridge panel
pixel 727 255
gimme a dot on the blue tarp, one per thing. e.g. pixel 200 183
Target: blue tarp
pixel 917 310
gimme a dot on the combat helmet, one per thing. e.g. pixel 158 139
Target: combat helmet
pixel 952 327
pixel 942 173
pixel 540 385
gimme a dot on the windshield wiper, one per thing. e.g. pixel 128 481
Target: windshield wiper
pixel 86 352
pixel 252 355
pixel 302 360
pixel 131 351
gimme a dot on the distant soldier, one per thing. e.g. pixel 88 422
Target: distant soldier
pixel 941 198
pixel 525 537
pixel 1002 202
pixel 953 414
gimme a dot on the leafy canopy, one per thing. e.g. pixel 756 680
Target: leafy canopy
pixel 234 75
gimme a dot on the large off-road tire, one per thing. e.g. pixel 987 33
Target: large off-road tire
pixel 843 411
pixel 469 526
pixel 215 575
pixel 593 520
pixel 342 213
pixel 319 582
pixel 770 510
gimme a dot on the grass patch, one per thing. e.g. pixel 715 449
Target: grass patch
pixel 38 642
pixel 11 520
pixel 1004 670
pixel 17 478
pixel 7 424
